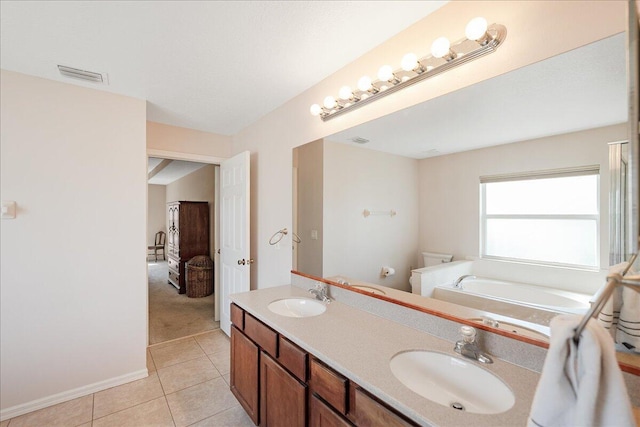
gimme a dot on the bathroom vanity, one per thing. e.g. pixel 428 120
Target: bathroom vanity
pixel 279 383
pixel 334 368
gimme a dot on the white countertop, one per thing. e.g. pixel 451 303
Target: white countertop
pixel 359 345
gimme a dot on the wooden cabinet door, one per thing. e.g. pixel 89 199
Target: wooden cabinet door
pixel 282 397
pixel 244 372
pixel 321 415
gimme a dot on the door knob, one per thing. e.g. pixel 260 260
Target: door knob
pixel 250 261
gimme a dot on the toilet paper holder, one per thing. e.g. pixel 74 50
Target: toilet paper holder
pixel 387 271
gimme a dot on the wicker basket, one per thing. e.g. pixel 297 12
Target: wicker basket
pixel 199 276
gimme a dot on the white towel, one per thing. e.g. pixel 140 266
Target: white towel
pixel 621 314
pixel 580 385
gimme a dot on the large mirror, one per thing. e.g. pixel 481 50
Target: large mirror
pixel 371 200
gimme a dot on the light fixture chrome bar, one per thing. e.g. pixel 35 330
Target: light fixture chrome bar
pixel 75 73
pixel 496 34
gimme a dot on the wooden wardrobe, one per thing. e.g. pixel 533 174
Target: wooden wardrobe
pixel 187 236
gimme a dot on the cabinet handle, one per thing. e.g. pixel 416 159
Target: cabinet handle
pixel 241 262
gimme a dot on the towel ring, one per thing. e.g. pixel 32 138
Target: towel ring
pixel 279 235
pixel 295 237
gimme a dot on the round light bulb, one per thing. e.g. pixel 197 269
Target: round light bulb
pixel 329 102
pixel 385 73
pixel 364 84
pixel 440 47
pixel 476 28
pixel 409 62
pixel 315 110
pixel 345 93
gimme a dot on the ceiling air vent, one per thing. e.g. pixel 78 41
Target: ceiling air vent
pixel 88 76
pixel 359 140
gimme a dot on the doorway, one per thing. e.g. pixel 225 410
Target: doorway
pixel 172 315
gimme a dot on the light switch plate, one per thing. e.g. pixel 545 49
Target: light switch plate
pixel 8 210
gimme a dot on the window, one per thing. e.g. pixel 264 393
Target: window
pixel 548 217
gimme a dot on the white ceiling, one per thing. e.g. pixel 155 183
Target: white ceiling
pixel 216 66
pixel 581 89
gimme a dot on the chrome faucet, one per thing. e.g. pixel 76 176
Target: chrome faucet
pixel 467 345
pixel 458 283
pixel 320 291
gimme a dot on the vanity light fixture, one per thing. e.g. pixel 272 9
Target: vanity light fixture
pixel 481 39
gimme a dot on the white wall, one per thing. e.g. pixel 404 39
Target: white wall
pixel 156 211
pixel 74 161
pixel 449 185
pixel 167 140
pixel 356 179
pixel 537 30
pixel 198 186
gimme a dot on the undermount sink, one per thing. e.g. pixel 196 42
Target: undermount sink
pixel 369 289
pixel 451 381
pixel 297 307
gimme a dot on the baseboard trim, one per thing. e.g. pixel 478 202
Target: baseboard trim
pixel 65 396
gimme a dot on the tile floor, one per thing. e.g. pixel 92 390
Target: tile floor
pixel 188 385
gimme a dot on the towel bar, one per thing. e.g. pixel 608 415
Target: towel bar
pixel 613 281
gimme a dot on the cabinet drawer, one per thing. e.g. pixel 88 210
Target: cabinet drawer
pixel 174 278
pixel 367 411
pixel 237 317
pixel 261 334
pixel 329 385
pixel 293 358
pixel 173 265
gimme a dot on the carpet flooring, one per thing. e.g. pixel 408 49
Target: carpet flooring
pixel 172 315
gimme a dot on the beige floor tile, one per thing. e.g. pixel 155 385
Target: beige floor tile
pixel 227 378
pixel 234 417
pixel 153 414
pixel 221 361
pixel 201 401
pixel 126 396
pixel 177 352
pixel 71 413
pixel 151 367
pixel 186 374
pixel 213 342
pixel 89 424
pixel 170 342
pixel 4 423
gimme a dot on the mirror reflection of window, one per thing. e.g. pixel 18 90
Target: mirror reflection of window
pixel 542 219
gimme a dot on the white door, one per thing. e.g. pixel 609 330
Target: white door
pixel 216 245
pixel 234 232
